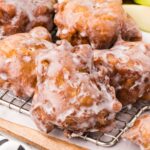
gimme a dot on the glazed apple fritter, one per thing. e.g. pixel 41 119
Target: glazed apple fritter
pixel 128 65
pixel 140 132
pixel 97 22
pixel 18 16
pixel 70 94
pixel 17 60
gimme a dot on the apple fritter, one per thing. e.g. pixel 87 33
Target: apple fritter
pixel 70 93
pixel 140 132
pixel 17 57
pixel 128 65
pixel 97 22
pixel 18 16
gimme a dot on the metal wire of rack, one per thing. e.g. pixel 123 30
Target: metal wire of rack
pixel 124 119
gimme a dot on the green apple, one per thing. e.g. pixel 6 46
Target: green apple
pixel 141 15
pixel 143 2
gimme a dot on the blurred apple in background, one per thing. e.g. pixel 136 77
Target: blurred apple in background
pixel 140 13
pixel 143 2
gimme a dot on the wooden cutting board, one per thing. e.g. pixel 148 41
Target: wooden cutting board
pixel 35 138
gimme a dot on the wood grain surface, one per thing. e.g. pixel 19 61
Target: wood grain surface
pixel 35 138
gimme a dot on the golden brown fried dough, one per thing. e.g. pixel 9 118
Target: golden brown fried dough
pixel 17 60
pixel 22 15
pixel 128 65
pixel 70 94
pixel 140 132
pixel 97 22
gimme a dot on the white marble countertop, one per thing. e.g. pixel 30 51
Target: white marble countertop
pixel 25 120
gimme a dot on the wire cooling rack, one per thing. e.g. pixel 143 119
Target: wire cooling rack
pixel 124 119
